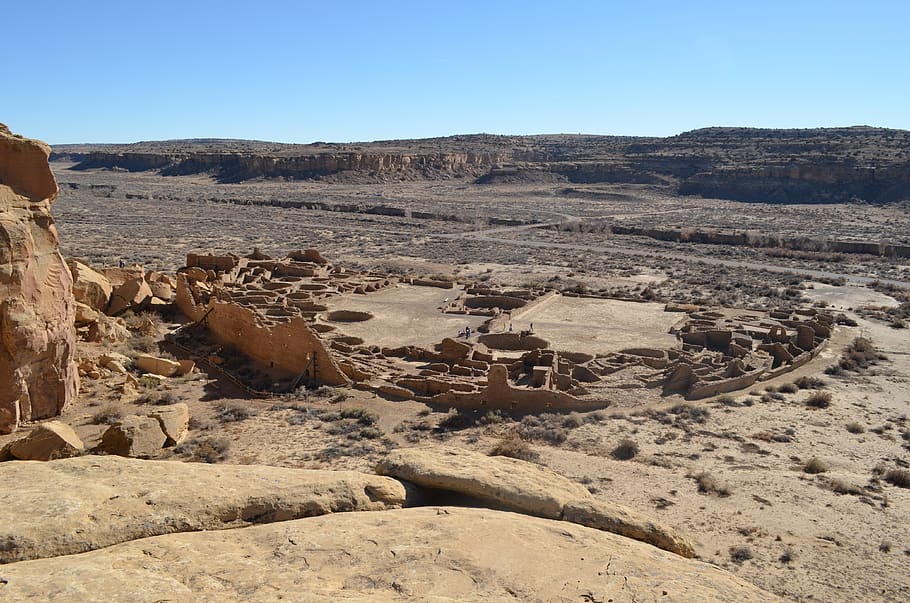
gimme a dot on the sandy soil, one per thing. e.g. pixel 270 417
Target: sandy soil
pixel 403 315
pixel 599 326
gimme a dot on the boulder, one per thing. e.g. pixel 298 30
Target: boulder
pixel 424 554
pixel 186 367
pixel 626 522
pixel 504 482
pixel 161 290
pixel 159 366
pixel 134 294
pixel 89 287
pixel 37 309
pixel 48 441
pixel 90 502
pixel 174 421
pixel 108 330
pixel 196 274
pixel 85 315
pixel 133 436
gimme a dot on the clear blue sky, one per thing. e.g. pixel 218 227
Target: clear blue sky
pixel 99 71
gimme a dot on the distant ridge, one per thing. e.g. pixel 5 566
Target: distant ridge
pixel 813 165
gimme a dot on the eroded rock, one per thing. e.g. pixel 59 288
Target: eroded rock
pixel 90 287
pixel 174 421
pixel 103 500
pixel 134 436
pixel 423 554
pixel 509 483
pixel 37 336
pixel 48 441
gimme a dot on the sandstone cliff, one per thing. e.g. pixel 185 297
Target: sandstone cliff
pixel 37 309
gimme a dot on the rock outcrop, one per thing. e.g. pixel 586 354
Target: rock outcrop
pixel 90 287
pixel 515 485
pixel 422 554
pixel 510 483
pixel 103 500
pixel 37 337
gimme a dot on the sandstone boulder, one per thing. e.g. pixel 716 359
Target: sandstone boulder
pixel 174 421
pixel 134 436
pixel 626 522
pixel 85 315
pixel 89 502
pixel 504 482
pixel 108 330
pixel 37 335
pixel 161 290
pixel 134 294
pixel 424 554
pixel 48 441
pixel 89 287
pixel 159 366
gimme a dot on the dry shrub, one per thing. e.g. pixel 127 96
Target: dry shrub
pixel 708 484
pixel 455 421
pixel 855 427
pixel 788 388
pixel 205 450
pixel 819 400
pixel 815 465
pixel 841 487
pixel 625 450
pixel 232 412
pixel 512 446
pixel 809 383
pixel 107 416
pixel 740 553
pixel 898 477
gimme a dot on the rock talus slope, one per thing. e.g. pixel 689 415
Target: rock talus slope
pixel 37 338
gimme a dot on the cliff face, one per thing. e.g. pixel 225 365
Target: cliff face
pixel 37 337
pixel 744 164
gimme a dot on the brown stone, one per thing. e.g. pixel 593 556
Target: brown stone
pixel 159 366
pixel 37 310
pixel 507 483
pixel 48 441
pixel 626 522
pixel 133 436
pixel 90 287
pixel 134 294
pixel 174 421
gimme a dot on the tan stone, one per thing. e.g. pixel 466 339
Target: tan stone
pixel 133 436
pixel 37 334
pixel 424 554
pixel 85 315
pixel 159 366
pixel 196 274
pixel 134 294
pixel 508 483
pixel 186 367
pixel 108 330
pixel 48 441
pixel 90 287
pixel 626 522
pixel 99 501
pixel 174 421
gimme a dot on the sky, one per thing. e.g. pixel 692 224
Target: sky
pixel 99 71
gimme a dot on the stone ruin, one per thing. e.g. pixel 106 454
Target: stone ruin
pixel 277 312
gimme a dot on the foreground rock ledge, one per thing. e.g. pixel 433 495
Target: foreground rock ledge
pixel 427 553
pixel 80 504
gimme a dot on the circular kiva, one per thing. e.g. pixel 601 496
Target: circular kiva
pixel 347 316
